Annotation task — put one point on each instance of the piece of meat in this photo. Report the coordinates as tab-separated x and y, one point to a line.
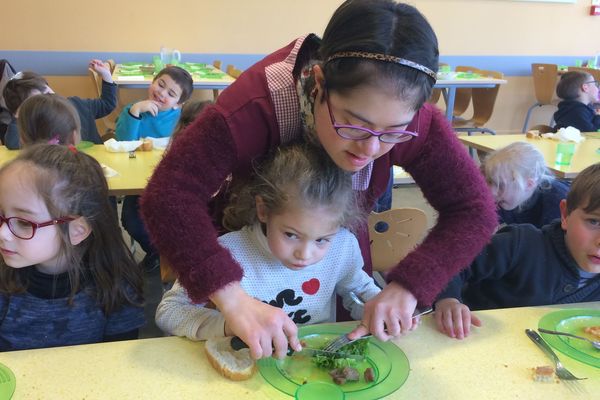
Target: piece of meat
369	375
351	374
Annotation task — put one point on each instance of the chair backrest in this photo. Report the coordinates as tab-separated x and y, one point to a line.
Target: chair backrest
217	64
544	81
111	65
233	71
484	99
435	96
463	96
405	229
592	71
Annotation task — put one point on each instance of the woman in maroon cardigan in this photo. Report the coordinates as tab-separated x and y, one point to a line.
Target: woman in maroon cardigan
359	93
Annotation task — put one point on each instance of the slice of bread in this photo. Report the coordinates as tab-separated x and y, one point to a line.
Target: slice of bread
236	365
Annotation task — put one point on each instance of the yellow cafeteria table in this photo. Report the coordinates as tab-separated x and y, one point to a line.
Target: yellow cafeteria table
585	152
493	363
132	173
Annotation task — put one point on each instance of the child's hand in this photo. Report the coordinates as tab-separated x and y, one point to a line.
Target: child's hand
454	318
144	106
101	68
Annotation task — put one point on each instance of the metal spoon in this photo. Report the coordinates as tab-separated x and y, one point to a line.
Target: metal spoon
596	344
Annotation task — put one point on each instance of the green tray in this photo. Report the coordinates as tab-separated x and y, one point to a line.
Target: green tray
8	382
572	321
389	363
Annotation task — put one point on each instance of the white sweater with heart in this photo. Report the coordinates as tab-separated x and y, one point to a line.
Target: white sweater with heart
306	295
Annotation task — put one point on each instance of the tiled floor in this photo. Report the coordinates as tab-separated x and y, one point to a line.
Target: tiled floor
403	196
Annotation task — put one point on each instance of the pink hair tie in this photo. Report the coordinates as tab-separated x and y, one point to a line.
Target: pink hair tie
54	140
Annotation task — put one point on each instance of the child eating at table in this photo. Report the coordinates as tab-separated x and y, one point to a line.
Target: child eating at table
288	236
66	274
26	84
157	115
578	91
154	117
48	118
525	190
527	266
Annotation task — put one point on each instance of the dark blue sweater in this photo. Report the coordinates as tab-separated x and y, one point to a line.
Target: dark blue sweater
523	266
578	115
88	109
540	209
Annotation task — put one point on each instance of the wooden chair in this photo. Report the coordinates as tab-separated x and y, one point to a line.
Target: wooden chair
484	100
111	64
404	230
462	99
109	122
544	83
233	71
436	93
217	65
167	275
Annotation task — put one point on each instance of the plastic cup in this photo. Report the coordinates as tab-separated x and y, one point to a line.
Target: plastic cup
319	391
564	153
578	63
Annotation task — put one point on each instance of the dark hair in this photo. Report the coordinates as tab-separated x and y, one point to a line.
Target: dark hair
585	190
190	110
19	89
72	183
569	86
298	172
181	78
383	27
46	117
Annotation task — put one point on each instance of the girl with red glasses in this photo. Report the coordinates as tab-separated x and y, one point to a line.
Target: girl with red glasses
65	268
359	93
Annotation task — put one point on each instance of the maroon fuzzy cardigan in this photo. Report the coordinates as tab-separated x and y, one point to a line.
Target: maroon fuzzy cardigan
179	213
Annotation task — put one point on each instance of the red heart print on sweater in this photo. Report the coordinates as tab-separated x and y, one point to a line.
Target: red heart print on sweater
311	286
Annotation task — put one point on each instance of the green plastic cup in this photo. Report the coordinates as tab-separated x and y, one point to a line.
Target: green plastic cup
578	63
564	153
319	391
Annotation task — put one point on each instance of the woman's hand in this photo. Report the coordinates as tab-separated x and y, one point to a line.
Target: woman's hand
267	330
454	318
389	314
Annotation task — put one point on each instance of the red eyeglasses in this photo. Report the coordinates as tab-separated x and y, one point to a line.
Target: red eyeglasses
25	229
354	132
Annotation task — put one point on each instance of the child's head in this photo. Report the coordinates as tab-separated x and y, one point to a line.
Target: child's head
378	64
577	85
171	87
56	215
48	118
22	86
514	172
190	110
580	218
301	198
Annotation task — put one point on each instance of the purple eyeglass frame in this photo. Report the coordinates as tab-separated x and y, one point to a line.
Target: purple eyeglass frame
406	135
35	225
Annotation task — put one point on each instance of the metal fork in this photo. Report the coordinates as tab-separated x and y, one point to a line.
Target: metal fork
343	340
561	372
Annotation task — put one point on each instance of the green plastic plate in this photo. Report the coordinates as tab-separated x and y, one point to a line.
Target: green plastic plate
573	321
389	363
7	382
84	144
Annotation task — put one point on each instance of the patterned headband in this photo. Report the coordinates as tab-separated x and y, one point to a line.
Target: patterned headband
383	57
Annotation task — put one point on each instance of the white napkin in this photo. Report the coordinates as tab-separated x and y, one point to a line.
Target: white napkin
108	171
160	143
121	147
568	134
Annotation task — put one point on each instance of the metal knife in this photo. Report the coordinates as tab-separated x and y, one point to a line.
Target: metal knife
238	344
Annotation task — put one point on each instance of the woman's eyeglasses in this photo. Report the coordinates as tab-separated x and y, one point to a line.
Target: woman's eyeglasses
25	229
354	132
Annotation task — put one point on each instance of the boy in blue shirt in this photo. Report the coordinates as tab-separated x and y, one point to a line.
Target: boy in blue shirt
527	266
155	117
578	91
158	115
26	84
